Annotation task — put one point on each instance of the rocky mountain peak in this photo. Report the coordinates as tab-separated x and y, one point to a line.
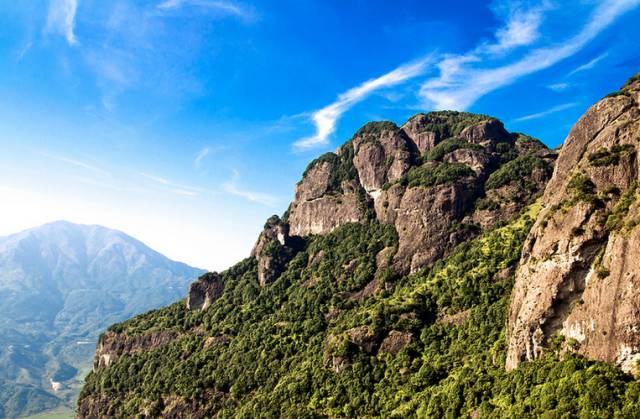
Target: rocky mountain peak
577	280
438	161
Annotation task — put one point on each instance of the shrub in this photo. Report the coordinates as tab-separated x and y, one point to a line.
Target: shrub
429	174
515	171
447	146
582	188
608	157
451	123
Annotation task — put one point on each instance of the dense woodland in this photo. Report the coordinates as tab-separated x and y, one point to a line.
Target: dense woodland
308	345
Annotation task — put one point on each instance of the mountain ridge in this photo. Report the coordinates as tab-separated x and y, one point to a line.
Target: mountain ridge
61	284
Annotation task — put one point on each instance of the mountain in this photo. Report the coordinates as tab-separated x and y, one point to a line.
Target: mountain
61	284
385	290
580	272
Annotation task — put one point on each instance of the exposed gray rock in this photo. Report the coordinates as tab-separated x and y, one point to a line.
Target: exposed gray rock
204	291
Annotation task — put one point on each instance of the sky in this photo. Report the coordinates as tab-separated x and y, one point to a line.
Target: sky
187	123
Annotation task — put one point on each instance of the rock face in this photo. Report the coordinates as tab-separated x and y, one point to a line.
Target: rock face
204	291
439	179
273	250
578	276
114	345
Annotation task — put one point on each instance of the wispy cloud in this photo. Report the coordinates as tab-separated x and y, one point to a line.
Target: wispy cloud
522	27
464	79
197	162
326	118
590	64
171	186
558	87
223	7
231	187
77	163
549	111
61	19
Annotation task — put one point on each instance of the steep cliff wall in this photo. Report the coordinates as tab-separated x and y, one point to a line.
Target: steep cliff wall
579	276
439	179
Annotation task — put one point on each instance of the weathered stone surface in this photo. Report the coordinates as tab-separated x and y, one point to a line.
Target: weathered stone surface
578	275
478	160
323	215
363	337
381	157
395	341
485	132
315	183
114	345
456	318
424	220
204	291
417	129
368	176
273	250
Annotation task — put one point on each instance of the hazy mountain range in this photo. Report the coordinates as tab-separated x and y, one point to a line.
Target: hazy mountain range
61	284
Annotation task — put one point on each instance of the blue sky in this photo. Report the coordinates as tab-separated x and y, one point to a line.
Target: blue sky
186	123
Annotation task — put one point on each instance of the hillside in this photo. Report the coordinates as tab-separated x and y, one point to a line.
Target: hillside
384	290
60	285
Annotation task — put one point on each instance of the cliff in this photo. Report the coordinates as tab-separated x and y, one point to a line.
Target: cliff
439	179
578	279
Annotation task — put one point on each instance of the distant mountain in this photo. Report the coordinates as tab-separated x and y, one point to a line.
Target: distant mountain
61	284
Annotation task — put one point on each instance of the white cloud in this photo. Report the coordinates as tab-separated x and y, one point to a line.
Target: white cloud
521	28
590	64
463	79
171	186
558	87
326	118
197	162
221	6
550	111
232	188
61	19
77	163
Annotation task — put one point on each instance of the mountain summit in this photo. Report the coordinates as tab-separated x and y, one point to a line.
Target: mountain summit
61	284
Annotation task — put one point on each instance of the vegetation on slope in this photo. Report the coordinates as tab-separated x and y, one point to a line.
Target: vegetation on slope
285	336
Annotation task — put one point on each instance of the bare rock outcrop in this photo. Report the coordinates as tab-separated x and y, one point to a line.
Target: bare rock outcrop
427	179
273	250
382	154
395	341
425	222
579	272
112	345
328	196
204	291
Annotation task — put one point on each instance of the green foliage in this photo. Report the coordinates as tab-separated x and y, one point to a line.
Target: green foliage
375	128
447	146
582	188
278	362
607	157
515	170
632	80
616	217
21	400
486	204
451	123
430	174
